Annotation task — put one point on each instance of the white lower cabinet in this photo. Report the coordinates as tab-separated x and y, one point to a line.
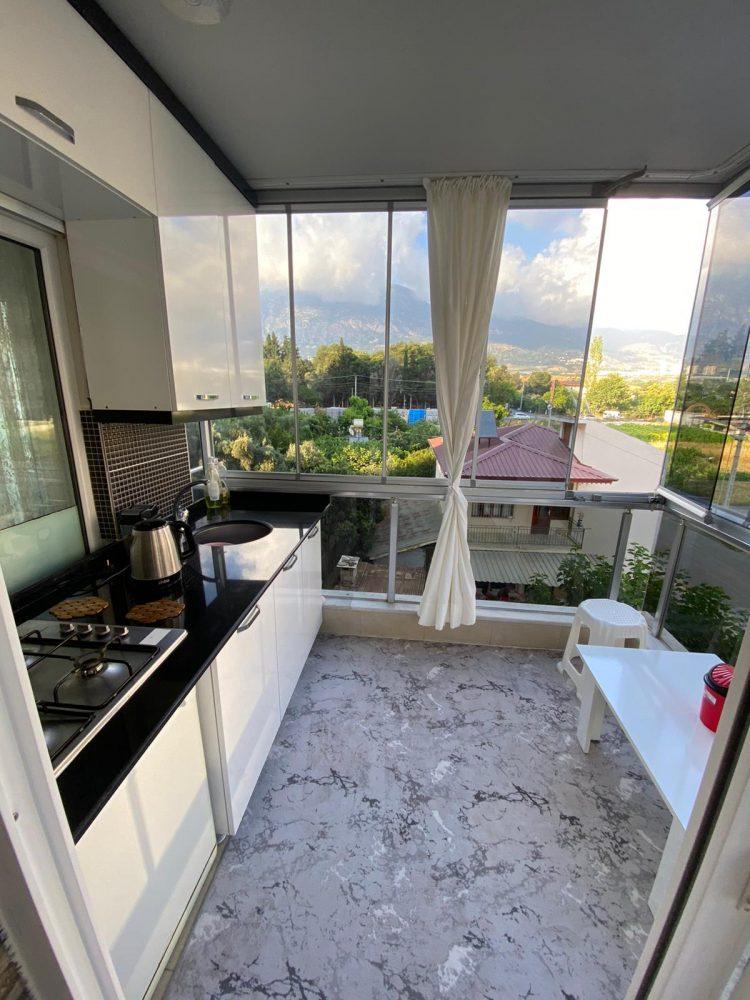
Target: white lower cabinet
312	575
144	855
299	604
239	708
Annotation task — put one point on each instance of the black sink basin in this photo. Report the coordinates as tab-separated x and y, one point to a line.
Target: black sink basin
232	533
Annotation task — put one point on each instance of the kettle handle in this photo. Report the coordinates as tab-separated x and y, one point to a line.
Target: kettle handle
178	528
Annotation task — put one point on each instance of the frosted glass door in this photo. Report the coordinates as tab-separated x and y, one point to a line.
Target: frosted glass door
40	530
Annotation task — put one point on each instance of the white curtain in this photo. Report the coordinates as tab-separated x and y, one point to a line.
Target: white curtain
466	220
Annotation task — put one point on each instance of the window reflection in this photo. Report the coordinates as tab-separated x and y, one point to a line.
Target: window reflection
708	442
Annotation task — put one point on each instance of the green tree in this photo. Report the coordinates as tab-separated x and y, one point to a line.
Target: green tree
501	386
653	398
593	362
610	392
412	374
564	401
500	410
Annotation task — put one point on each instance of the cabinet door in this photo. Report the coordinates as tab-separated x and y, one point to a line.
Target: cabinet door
54	62
312	577
290	627
248	384
195	286
247	705
145	853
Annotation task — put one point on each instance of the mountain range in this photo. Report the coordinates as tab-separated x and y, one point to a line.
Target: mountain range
519	342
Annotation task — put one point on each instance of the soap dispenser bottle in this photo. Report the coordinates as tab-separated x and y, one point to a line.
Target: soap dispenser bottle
224	493
213	485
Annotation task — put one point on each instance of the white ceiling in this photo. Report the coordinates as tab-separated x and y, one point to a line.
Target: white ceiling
336	90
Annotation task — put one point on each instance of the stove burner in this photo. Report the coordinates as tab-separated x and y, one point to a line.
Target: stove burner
90	664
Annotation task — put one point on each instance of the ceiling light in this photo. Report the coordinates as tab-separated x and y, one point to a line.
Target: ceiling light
199	11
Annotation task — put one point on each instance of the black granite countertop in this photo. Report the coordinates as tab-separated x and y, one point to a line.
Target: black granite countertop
219	585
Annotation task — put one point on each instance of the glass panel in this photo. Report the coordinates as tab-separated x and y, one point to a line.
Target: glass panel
710	600
36	482
339	300
718	343
264	442
650	265
413	417
732	494
519	552
195	449
649	544
354	545
537	341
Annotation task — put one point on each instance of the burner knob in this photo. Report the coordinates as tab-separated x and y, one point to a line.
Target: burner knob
67	628
120	631
84	628
101	630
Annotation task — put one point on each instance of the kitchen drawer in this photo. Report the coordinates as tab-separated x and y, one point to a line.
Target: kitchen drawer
145	853
50	56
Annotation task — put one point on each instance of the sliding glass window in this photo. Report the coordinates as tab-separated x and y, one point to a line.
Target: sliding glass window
708	460
413	425
40	528
339	303
649	271
537	345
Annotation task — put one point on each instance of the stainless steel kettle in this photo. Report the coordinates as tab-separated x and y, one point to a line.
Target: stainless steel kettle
155	553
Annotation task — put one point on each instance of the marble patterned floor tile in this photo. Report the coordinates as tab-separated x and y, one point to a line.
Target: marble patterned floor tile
426	827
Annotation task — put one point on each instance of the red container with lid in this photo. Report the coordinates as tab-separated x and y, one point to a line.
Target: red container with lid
716	682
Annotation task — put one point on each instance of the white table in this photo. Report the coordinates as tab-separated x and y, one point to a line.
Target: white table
655	696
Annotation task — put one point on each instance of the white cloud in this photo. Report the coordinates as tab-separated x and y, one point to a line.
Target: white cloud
339	256
649	268
554	285
652	255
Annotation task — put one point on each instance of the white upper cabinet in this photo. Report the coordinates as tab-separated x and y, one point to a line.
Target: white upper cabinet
194	265
168	306
61	84
248	378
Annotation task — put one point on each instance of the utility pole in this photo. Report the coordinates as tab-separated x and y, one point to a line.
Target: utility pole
355	385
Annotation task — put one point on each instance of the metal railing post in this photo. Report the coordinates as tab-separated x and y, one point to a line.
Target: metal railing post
392	552
387	344
670	572
293	336
621	552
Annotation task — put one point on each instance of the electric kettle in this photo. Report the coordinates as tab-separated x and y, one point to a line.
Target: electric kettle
155	553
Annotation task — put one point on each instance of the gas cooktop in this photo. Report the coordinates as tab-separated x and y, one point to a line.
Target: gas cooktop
82	672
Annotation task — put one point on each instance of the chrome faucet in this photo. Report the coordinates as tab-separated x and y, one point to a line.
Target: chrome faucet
179	513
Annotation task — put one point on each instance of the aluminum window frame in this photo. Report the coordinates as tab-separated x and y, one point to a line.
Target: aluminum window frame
289	210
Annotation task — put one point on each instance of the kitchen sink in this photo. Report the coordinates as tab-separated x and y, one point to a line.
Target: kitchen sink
232	533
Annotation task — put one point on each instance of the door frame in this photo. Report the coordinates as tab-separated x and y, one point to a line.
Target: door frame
67	354
44	907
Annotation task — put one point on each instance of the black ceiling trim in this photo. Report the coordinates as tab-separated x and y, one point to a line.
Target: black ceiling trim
104	26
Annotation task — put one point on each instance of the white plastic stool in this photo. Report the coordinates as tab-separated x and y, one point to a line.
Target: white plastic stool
609	623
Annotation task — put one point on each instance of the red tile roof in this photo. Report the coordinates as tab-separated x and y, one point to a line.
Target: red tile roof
524	451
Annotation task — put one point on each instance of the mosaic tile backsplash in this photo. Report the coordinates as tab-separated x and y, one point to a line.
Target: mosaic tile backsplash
133	463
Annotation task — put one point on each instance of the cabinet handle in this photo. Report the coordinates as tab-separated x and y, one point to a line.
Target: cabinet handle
203	396
47	117
251	618
250	395
289	563
314	532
